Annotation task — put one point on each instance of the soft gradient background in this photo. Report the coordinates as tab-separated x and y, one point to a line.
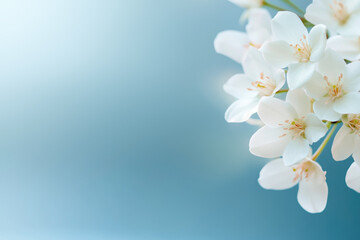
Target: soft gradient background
112	128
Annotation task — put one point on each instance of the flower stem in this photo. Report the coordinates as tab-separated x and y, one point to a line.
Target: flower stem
325	142
294	6
270	5
282	91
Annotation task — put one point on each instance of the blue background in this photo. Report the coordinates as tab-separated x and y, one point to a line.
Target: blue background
112	128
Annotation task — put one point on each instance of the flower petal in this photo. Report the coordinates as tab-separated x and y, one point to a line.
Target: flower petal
268	143
313	191
276	176
352	178
356	154
347	47
273	111
238	86
332	65
300	101
324	110
317	42
296	151
279	53
287	26
232	44
259	26
316	87
242	110
344	144
315	128
352	83
299	74
349	103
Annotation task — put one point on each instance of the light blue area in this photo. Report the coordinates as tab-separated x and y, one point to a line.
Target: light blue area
112	128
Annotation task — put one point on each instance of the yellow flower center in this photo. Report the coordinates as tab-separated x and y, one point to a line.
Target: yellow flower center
303	171
340	12
302	50
335	90
352	121
295	128
265	85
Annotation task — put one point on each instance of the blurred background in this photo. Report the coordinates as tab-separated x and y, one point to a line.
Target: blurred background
112	127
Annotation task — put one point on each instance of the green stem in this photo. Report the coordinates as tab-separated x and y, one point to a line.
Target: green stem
325	142
294	6
270	5
282	91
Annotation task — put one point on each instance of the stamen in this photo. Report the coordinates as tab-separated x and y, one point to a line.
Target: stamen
303	171
352	121
340	12
335	90
295	128
265	85
302	50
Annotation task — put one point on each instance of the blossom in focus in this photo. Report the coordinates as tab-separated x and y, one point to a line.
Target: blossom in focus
341	16
258	81
289	128
352	178
248	3
235	44
313	190
347	46
335	87
295	48
347	139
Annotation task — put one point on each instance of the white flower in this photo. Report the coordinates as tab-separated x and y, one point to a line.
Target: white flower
248	3
347	140
335	87
347	47
313	190
289	128
342	16
352	178
258	81
295	48
235	45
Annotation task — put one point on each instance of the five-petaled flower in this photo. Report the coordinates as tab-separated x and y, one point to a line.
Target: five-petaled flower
295	48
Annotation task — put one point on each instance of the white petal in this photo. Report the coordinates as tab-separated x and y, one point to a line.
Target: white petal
324	110
315	128
332	65
317	41
316	87
320	13
352	81
352	178
296	151
268	143
232	44
238	86
356	154
299	74
273	111
313	191
279	53
347	47
349	103
276	176
259	26
242	110
344	144
254	64
300	101
287	26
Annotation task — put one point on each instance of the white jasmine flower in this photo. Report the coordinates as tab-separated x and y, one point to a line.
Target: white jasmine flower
248	3
235	44
341	16
313	190
295	48
352	178
347	47
289	128
258	81
335	87
347	139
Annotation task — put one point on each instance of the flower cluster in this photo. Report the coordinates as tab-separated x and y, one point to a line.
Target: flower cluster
302	78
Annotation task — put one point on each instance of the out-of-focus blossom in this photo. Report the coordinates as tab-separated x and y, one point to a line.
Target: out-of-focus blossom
352	178
347	47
